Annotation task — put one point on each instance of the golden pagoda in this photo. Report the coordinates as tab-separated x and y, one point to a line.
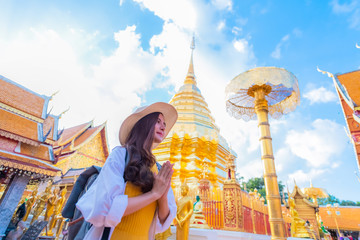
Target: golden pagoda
194	144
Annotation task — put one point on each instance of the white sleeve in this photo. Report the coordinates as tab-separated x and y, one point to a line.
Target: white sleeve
104	203
172	207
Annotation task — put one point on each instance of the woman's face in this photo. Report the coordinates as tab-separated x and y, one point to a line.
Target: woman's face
159	131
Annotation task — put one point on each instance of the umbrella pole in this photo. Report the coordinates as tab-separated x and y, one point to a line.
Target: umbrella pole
271	185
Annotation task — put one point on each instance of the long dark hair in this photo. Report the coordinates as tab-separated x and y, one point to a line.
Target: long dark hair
139	144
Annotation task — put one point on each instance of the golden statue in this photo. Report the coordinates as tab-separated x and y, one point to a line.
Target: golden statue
40	203
30	203
198	218
163	235
51	204
298	228
183	214
57	210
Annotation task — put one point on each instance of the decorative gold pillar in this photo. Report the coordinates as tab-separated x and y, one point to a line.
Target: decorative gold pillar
270	178
233	210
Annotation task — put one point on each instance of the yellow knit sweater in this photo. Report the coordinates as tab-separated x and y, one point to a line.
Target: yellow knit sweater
136	225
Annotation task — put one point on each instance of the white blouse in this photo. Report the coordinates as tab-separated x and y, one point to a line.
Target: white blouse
104	204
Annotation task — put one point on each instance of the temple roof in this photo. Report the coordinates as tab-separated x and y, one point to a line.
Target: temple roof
348	89
18	125
23	99
70	134
26	131
297	193
349	218
75	137
350	82
27	163
70	176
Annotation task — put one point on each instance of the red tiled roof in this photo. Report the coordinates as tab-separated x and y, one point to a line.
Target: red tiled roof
83	137
351	83
349	218
352	124
21	99
7	144
18	125
41	151
71	133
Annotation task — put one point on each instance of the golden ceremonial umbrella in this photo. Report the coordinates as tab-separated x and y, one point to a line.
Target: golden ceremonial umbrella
257	93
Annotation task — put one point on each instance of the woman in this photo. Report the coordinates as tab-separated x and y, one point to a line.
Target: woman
134	199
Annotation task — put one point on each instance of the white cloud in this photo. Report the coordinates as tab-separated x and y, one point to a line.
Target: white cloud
350	10
303	178
253	168
181	12
320	95
241	45
277	51
343	8
222	4
221	25
320	144
236	31
45	62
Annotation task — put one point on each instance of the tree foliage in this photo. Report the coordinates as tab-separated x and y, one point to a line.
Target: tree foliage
332	199
259	184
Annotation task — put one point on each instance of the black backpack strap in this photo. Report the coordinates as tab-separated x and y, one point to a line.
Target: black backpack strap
127	157
106	233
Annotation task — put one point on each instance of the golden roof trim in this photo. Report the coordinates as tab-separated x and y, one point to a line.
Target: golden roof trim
18	138
21	113
24	167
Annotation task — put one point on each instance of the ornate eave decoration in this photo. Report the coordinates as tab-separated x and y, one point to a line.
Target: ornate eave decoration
18	138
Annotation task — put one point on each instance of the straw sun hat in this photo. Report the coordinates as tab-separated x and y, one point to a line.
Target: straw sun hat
167	110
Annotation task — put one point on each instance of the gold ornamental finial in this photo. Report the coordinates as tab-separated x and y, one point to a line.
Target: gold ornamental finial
325	72
52	95
192	46
190	76
64	112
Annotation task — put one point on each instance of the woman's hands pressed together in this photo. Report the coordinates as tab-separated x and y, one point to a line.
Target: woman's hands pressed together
162	181
161	186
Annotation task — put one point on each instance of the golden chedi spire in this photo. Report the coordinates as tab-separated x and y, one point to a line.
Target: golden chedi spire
195	140
190	76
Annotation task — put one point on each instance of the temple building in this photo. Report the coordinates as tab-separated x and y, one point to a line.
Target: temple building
347	86
194	144
81	146
27	131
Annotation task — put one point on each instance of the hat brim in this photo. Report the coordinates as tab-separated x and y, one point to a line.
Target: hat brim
168	111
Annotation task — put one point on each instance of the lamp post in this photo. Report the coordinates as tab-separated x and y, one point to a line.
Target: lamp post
333	210
256	94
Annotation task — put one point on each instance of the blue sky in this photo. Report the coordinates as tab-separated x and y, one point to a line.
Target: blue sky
107	57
